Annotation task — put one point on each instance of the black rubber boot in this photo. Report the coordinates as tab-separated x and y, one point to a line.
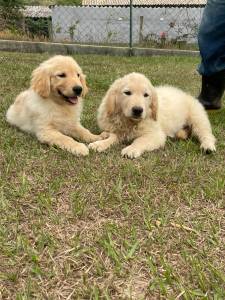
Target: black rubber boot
212	90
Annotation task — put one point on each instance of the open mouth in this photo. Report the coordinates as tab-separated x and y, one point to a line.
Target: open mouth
70	99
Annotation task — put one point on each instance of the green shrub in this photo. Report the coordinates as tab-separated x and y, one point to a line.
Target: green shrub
10	14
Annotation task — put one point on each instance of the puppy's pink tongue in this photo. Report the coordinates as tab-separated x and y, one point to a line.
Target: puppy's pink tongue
73	99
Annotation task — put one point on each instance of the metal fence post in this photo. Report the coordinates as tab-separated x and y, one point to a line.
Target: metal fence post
131	27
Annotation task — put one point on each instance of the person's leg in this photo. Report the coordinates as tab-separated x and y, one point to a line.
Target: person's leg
211	41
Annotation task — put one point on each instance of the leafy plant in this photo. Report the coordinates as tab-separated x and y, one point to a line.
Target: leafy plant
10	13
72	29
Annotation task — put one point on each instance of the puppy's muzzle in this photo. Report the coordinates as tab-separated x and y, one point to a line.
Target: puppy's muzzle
137	112
77	90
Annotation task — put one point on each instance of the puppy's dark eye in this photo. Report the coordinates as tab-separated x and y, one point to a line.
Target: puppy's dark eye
78	75
128	93
146	95
62	75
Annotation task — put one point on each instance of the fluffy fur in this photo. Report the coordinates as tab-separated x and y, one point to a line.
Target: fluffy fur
51	108
133	110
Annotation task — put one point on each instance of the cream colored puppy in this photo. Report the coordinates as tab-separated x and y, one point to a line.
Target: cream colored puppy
133	110
51	108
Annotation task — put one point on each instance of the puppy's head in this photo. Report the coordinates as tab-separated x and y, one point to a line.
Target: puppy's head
134	96
60	78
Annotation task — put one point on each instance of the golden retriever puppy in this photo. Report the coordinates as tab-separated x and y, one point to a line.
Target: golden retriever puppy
51	108
133	110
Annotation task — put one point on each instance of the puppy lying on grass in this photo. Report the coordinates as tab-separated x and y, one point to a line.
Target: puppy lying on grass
51	108
133	110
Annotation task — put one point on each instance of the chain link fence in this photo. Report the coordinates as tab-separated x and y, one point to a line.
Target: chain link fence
137	23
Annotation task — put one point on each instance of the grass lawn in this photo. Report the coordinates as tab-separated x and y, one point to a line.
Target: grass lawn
105	227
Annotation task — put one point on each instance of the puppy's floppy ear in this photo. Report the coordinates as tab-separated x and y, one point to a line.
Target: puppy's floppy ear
111	104
153	104
40	81
110	99
84	84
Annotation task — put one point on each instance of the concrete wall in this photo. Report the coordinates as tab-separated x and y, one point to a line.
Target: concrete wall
59	48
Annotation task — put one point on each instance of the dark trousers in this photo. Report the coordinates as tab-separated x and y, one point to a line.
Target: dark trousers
211	38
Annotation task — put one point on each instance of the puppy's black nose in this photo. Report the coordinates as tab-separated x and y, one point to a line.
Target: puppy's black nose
137	111
77	90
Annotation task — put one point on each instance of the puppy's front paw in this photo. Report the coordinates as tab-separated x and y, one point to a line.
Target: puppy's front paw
98	146
131	152
208	146
80	149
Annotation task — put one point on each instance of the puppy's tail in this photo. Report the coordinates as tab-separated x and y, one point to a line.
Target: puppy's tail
201	127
